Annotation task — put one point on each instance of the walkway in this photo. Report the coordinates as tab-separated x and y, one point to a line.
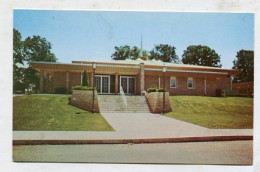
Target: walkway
134	126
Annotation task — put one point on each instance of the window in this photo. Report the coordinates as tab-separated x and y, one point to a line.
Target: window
173	83
190	82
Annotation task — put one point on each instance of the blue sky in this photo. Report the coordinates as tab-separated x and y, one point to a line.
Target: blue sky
92	35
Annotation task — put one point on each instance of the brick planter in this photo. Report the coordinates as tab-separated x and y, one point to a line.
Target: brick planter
155	101
83	99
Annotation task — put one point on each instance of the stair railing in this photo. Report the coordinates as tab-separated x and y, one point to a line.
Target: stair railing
122	93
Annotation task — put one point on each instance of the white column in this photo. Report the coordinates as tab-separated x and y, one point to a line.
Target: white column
205	86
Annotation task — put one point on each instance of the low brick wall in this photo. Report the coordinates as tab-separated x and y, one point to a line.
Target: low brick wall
83	99
155	101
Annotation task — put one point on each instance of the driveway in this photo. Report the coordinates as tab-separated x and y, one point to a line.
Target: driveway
148	125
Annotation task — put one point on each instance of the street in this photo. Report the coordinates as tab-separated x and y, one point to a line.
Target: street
228	152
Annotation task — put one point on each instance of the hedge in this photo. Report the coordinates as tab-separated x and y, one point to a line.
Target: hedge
149	90
80	87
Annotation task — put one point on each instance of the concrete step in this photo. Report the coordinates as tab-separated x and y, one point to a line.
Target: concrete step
115	103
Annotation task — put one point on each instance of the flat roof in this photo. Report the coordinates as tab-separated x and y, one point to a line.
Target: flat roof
148	64
155	63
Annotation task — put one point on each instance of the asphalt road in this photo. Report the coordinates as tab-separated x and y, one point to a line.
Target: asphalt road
229	152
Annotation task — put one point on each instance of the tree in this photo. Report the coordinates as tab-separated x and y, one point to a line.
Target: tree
31	49
244	63
36	48
164	52
201	55
135	53
18	55
85	79
121	53
18	58
126	52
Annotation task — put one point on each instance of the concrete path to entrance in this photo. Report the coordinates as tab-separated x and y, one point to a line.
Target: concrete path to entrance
134	126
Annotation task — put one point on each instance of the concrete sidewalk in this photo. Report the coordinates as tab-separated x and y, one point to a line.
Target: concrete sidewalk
135	126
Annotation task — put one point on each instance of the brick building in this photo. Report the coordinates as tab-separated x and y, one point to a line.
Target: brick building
135	76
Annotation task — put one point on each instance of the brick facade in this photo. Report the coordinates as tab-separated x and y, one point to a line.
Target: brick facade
59	80
146	76
244	87
74	79
155	101
224	83
83	99
181	89
151	81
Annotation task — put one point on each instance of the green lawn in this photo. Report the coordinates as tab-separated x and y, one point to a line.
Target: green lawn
52	112
213	112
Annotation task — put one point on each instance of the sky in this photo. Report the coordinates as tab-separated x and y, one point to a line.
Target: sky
92	35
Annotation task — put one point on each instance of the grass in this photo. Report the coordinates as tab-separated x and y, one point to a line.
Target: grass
213	112
53	113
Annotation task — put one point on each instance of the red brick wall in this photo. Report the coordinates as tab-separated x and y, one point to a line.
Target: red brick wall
74	79
211	86
152	81
243	87
83	99
155	101
59	80
223	83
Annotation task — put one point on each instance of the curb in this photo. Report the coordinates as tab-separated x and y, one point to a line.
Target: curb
134	141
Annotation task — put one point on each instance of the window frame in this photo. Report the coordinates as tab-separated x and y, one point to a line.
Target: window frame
192	79
173	77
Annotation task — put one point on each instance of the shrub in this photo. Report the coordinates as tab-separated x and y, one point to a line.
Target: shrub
85	79
220	93
80	87
149	90
69	99
60	90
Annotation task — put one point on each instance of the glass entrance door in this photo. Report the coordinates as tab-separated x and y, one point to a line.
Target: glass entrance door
128	84
105	84
102	83
124	84
131	87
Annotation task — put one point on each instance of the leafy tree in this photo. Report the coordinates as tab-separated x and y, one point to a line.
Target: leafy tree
126	52
121	53
245	63
18	58
85	79
145	54
135	53
164	52
201	55
36	48
18	55
31	49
